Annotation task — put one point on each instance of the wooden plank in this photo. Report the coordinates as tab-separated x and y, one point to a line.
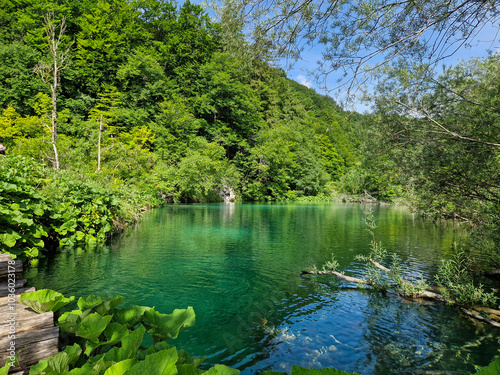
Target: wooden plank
5	257
26	320
5	299
26	339
35	352
4	287
4	279
6	268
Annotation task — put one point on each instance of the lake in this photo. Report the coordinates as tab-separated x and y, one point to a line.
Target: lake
239	266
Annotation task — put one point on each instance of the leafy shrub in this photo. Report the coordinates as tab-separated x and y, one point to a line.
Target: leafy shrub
82	212
36	211
458	283
23	210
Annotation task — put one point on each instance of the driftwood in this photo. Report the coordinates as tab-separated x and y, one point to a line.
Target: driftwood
494	318
479	317
30	335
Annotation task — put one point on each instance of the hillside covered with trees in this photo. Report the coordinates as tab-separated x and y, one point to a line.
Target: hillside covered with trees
109	109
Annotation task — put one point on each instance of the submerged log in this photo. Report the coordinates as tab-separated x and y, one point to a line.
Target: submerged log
479	317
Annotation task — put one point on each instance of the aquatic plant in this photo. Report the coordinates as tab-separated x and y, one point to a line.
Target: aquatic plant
103	339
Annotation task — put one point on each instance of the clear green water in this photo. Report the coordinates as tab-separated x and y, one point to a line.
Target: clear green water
239	267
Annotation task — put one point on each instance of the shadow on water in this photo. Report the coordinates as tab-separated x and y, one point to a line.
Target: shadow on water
239	266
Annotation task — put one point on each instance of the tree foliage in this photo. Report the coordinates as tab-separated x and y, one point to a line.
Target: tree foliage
358	37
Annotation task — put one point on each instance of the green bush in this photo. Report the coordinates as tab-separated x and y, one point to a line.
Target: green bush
24	212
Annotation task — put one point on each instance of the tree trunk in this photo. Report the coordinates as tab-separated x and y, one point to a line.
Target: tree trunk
99	145
54	109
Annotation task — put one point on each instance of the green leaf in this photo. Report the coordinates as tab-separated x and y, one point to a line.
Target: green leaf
121	367
161	363
222	370
158	347
187	369
100	304
114	333
8	239
79	235
492	369
44	300
90	302
59	362
167	326
130	316
38	211
70	321
92	326
129	348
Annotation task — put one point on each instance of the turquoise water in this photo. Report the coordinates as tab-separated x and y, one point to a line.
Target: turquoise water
239	266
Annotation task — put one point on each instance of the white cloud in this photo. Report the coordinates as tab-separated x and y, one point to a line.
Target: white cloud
304	81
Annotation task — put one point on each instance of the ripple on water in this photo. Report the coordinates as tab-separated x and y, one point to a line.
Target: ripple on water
239	267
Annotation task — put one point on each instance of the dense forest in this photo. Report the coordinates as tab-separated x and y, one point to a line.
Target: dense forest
112	108
109	110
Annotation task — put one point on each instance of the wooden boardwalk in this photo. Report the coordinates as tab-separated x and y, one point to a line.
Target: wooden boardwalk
30	335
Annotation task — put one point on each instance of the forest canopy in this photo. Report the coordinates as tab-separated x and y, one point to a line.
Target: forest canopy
147	102
148	94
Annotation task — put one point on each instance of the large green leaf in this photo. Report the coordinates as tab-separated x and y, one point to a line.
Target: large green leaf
99	304
58	363
90	301
129	346
44	300
70	321
161	363
158	347
8	239
221	370
92	326
130	316
492	369
114	333
121	367
167	326
98	367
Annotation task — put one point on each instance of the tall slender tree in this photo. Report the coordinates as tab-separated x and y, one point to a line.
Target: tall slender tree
50	71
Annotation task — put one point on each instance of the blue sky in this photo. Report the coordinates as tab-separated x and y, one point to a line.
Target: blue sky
486	39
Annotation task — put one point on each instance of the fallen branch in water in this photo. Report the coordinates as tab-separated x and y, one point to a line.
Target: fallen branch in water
479	317
339	275
495	314
420	294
